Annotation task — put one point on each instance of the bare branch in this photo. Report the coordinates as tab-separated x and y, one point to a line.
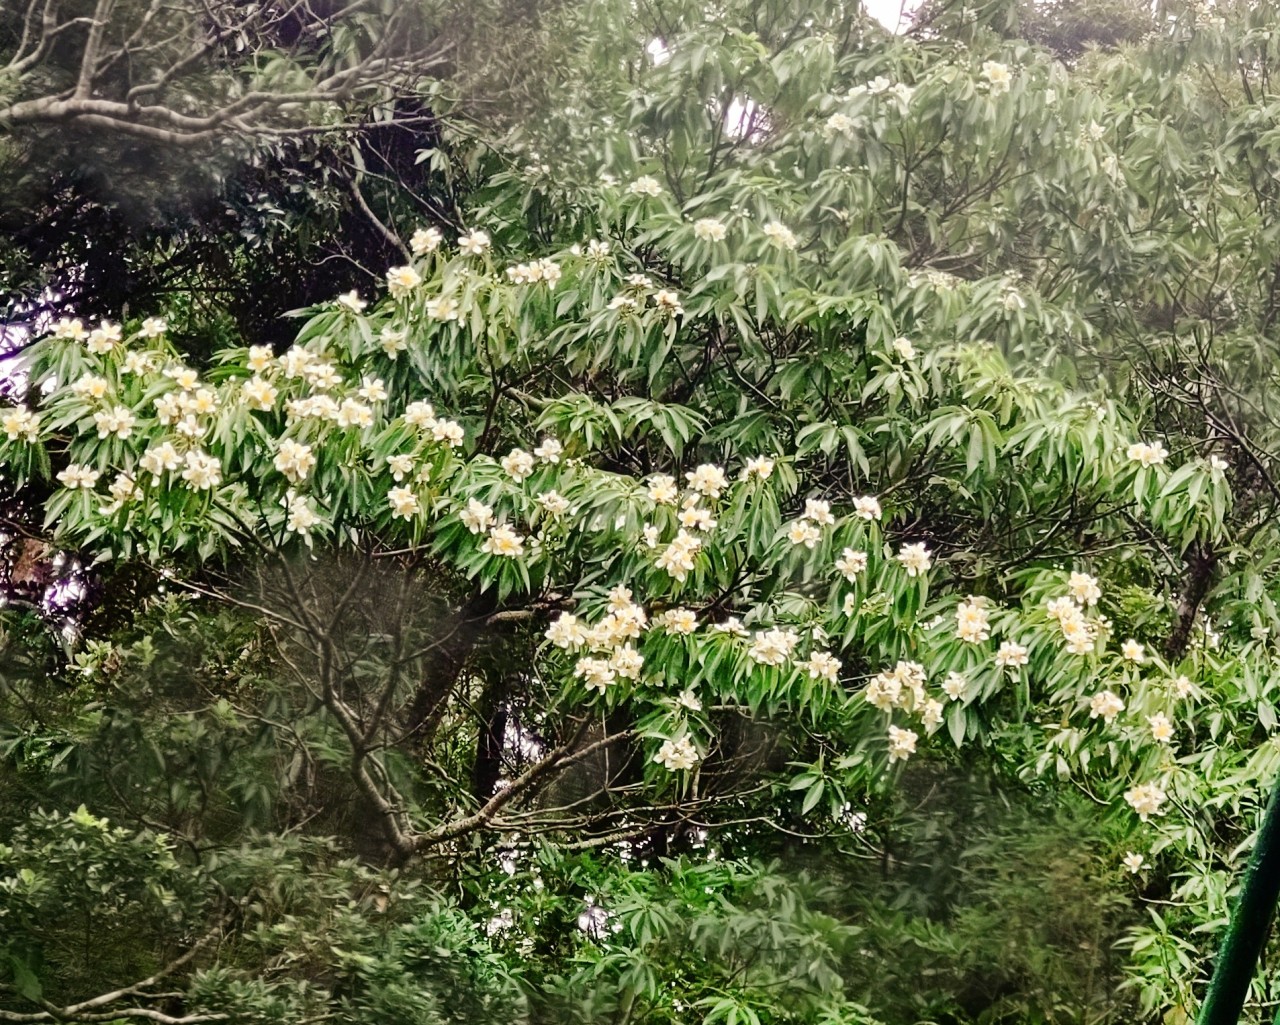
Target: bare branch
88	1010
152	46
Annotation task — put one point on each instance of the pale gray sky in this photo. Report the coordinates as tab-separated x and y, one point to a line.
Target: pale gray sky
888	12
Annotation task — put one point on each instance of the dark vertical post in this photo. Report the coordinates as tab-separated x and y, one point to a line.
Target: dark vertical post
1250	923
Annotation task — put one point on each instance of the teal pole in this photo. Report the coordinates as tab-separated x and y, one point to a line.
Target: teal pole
1250	923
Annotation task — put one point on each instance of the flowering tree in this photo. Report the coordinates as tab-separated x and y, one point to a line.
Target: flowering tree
712	494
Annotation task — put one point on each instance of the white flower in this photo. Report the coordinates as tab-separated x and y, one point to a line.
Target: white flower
596	673
159	459
372	389
524	273
1106	705
152	328
503	541
294	460
708	229
677	755
954	686
473	243
393	341
401	281
259	358
1147	455
732	626
549	451
627	662
693	517
1133	862
20	423
1218	463
884	691
190	427
1132	651
296	362
680	620
322	375
851	563
447	431
517	464
1181	686
780	235
78	475
352	301
802	532
902	744
123	489
551	272
420	414
200	402
645	185
758	466
404	503
668	302
915	559
90	386
553	503
1081	635
300	517
202	471
1013	302
71	329
1084	588
840	124
443	308
677	558
821	665
354	414
904	348
425	240
1146	799
708	480
259	393
136	362
867	507
567	632
973	624
773	647
997	76
1011	654
118	421
688	699
104	338
931	713
476	517
650	536
662	489
819	511
1161	728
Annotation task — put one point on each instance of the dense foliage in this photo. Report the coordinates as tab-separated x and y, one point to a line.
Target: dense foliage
797	547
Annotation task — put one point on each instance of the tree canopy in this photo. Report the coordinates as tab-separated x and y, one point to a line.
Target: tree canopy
806	499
